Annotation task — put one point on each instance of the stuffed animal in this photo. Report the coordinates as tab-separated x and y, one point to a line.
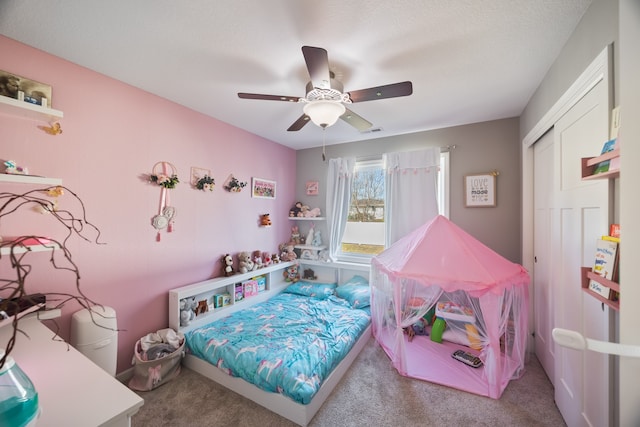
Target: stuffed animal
265	220
245	263
295	235
257	260
303	211
287	253
312	213
187	313
291	274
295	210
227	261
275	258
309	274
317	238
309	239
266	259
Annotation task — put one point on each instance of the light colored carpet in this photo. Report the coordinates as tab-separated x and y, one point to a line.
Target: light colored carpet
371	394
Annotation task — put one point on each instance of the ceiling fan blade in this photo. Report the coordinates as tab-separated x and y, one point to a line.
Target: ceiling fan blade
318	65
381	92
299	124
356	121
268	97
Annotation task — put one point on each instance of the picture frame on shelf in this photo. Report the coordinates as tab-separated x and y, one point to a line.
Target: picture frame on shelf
480	190
312	188
263	188
21	88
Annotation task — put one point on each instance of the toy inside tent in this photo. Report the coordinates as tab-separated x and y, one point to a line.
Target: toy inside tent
454	293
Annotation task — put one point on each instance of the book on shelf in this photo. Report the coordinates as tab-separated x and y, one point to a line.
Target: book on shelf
614	230
610	145
602	167
605	265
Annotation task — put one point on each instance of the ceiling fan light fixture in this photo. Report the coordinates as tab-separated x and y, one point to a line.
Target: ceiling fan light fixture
324	113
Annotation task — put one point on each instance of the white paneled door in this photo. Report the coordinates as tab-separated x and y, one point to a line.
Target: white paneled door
581	215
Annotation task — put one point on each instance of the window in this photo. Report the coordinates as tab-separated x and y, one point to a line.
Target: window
364	233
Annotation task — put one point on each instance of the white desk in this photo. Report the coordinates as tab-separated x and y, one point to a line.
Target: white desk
72	390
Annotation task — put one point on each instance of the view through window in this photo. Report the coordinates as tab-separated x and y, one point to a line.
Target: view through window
364	232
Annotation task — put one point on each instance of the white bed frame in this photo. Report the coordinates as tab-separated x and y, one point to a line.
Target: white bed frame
275	402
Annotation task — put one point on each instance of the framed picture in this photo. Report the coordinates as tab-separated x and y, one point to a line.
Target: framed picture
480	190
33	92
263	188
312	188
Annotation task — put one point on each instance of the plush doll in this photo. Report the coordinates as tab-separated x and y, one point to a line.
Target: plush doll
266	259
187	313
227	261
317	238
295	235
303	211
275	258
245	263
295	210
291	274
312	213
257	260
287	253
265	220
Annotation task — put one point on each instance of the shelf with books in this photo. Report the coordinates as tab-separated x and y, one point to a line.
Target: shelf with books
590	166
587	277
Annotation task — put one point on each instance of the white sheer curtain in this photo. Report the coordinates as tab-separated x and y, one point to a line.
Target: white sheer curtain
339	177
410	191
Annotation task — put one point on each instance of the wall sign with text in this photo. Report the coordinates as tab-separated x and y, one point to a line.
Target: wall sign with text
480	190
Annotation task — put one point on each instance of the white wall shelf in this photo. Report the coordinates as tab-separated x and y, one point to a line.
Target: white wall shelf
307	218
28	110
29	179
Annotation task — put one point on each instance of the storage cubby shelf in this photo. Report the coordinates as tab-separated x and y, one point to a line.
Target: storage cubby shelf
28	110
275	283
587	275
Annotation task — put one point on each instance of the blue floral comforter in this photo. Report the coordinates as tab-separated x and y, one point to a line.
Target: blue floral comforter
288	344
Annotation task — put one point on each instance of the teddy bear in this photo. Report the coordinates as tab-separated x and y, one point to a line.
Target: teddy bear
227	262
275	258
245	263
287	253
312	213
257	260
303	211
187	313
266	259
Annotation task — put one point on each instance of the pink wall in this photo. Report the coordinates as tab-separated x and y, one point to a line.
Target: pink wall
113	134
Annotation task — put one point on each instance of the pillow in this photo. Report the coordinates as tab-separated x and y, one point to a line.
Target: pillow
358	295
357	280
313	290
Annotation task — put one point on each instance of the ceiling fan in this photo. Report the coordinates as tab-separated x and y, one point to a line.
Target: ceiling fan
325	100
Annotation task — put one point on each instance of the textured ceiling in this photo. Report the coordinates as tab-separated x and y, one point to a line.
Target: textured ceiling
469	60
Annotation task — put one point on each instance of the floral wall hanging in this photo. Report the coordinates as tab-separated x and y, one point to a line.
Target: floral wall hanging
201	179
165	175
233	185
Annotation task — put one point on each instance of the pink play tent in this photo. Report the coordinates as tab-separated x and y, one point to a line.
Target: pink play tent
453	293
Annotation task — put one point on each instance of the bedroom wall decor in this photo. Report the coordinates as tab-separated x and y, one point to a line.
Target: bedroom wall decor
201	179
480	190
312	188
166	176
263	188
234	185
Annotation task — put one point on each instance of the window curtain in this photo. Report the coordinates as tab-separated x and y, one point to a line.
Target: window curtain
410	191
339	177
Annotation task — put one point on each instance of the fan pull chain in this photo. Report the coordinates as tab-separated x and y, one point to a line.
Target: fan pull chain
324	158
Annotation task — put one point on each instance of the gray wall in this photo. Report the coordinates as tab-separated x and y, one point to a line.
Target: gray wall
480	148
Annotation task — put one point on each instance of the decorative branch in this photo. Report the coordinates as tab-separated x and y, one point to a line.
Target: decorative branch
14	288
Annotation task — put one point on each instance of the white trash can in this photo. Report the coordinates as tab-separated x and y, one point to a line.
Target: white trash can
98	341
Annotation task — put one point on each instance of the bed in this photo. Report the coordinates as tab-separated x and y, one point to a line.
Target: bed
289	347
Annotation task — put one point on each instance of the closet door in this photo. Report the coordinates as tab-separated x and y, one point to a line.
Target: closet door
543	292
581	216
